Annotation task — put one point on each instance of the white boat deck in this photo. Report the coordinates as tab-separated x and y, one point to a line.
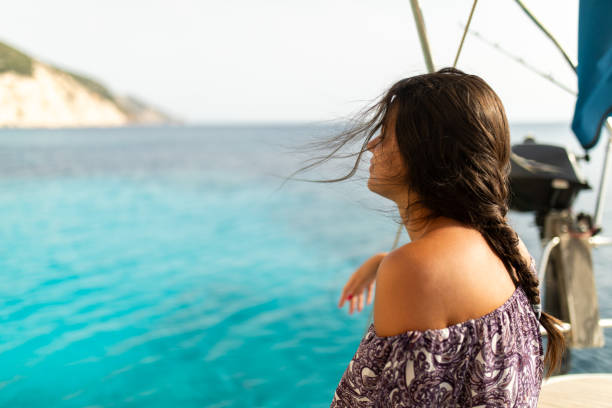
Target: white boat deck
577	390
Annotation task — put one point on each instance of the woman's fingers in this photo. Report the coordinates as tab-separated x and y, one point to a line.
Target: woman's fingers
356	301
346	292
343	295
370	292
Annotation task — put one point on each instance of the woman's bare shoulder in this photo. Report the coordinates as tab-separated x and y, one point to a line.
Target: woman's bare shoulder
433	284
405	288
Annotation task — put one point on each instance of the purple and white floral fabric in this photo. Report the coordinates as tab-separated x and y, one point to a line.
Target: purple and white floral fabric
493	361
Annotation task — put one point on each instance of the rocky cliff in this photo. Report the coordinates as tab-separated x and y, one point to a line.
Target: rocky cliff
35	94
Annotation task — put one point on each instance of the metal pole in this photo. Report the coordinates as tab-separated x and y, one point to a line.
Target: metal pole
420	23
604	177
567	327
467	26
554	241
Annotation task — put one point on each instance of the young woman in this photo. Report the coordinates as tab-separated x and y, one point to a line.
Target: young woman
457	310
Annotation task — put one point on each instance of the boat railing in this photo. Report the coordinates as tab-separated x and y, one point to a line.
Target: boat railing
594	242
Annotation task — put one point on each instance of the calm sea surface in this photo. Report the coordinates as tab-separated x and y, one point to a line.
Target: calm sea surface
164	267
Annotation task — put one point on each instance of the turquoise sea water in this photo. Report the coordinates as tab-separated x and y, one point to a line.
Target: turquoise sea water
163	267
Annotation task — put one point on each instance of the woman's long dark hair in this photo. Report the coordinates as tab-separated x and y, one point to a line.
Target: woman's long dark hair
454	139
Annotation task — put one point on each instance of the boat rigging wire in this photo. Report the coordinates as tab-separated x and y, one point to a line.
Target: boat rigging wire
521	61
548	34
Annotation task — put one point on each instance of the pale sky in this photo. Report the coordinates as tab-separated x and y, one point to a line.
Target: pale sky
288	60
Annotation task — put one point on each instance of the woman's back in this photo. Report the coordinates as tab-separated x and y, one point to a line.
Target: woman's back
493	361
451	330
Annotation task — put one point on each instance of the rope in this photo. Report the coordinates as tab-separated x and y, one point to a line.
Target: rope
465	33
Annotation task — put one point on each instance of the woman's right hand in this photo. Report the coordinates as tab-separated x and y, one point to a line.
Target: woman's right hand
363	278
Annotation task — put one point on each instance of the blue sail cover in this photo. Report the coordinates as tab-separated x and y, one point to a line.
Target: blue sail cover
594	103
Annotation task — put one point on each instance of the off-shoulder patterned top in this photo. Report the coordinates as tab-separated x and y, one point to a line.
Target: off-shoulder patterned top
495	360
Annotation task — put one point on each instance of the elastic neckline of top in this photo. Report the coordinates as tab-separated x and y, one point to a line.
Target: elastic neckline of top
455	326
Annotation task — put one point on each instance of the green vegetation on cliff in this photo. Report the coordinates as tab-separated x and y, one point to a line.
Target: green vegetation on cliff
13	60
16	61
90	84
